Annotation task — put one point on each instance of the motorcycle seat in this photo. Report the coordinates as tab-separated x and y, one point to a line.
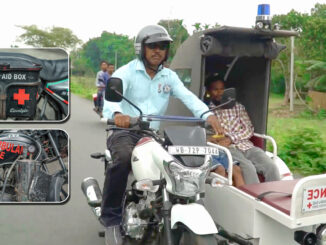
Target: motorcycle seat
277	194
54	70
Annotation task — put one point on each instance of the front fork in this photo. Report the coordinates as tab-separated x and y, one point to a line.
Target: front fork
166	213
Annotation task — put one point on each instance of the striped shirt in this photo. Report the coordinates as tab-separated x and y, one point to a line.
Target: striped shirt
236	124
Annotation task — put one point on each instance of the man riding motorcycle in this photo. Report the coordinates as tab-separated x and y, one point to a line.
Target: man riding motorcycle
147	84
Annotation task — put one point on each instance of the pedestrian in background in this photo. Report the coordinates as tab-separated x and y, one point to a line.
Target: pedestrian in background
101	80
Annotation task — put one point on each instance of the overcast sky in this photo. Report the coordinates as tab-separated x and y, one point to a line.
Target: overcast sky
87	19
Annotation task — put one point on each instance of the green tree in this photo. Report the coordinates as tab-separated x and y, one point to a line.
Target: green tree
108	47
317	74
197	26
312	28
201	27
50	37
319	10
177	31
310	45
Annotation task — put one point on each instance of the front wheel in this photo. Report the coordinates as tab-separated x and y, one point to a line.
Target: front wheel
190	238
187	237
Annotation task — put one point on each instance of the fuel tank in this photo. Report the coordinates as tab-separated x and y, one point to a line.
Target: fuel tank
147	159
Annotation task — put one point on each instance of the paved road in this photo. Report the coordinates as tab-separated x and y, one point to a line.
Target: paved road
73	222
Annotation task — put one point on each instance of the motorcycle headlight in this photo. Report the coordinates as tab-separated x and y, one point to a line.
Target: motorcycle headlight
187	181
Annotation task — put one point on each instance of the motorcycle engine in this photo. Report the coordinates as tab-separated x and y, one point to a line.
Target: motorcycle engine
134	224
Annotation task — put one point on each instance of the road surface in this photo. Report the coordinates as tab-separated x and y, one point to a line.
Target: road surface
72	222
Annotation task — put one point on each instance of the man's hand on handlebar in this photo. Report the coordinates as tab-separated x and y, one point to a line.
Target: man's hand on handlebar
214	122
122	121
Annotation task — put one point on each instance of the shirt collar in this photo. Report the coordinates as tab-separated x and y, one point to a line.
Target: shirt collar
141	67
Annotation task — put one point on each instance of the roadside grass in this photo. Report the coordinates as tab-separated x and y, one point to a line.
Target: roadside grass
283	125
83	86
281	120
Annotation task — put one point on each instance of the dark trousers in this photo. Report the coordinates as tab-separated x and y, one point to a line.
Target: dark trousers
120	143
100	99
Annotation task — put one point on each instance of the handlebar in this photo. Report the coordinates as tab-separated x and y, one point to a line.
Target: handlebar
110	122
134	121
137	121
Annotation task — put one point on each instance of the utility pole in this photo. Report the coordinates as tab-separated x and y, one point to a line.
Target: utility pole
115	59
291	73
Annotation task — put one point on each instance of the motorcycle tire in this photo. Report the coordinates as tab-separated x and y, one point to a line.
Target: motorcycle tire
190	238
176	235
58	190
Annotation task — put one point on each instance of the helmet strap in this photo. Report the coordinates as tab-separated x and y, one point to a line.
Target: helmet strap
143	58
148	66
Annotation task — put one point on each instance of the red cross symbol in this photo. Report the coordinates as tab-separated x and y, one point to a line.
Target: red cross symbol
309	205
21	96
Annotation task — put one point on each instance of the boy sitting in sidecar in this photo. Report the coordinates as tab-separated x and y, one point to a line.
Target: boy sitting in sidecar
238	130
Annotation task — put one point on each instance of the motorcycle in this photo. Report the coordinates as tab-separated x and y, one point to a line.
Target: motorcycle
96	108
32	167
33	88
164	203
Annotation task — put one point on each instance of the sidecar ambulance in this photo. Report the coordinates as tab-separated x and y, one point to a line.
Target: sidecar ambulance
290	211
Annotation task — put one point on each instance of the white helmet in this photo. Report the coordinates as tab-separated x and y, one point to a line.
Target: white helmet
150	34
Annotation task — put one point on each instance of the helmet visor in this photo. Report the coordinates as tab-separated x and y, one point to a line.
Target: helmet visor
159	37
160	45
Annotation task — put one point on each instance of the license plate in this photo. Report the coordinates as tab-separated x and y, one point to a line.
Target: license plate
192	150
314	198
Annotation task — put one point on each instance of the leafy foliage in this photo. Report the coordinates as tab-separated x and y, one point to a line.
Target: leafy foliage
321	114
201	27
318	71
304	151
309	46
277	82
106	47
50	37
178	33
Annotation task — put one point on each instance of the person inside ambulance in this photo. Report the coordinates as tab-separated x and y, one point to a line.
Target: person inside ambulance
148	84
238	130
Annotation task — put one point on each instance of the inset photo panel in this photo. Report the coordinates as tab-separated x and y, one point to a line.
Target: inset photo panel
34	85
34	166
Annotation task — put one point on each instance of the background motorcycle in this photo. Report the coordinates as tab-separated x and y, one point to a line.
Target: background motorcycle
32	168
163	205
96	108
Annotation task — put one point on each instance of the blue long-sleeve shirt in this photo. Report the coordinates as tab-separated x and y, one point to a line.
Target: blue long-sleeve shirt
102	78
151	95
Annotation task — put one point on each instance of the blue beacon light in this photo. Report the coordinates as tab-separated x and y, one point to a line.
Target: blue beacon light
263	18
263	9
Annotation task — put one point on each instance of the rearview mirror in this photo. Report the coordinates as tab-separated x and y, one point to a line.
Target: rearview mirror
229	97
227	102
114	90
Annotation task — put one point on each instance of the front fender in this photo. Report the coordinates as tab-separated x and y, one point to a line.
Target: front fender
195	217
